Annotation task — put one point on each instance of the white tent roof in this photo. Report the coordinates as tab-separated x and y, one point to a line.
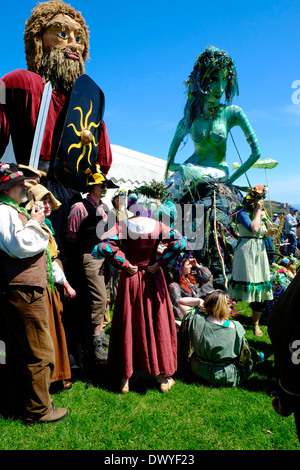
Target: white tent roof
131	169
134	168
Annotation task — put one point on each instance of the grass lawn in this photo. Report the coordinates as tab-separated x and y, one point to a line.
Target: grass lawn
192	416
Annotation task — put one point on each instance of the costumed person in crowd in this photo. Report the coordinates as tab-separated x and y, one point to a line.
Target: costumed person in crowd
143	333
284	332
118	213
280	278
57	286
23	280
290	227
289	267
250	278
86	222
56	47
220	353
189	288
163	210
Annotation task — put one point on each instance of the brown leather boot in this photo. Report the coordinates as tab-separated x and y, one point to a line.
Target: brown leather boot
53	415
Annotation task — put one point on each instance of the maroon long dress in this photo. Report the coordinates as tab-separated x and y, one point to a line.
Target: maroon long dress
143	333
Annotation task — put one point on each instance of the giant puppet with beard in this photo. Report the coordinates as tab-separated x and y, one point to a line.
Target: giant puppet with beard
56	47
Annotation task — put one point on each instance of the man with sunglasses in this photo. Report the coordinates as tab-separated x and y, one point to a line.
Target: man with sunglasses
86	223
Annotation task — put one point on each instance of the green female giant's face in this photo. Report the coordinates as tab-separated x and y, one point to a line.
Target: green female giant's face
217	88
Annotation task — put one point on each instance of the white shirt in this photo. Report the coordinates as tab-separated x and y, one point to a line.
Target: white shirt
20	241
290	220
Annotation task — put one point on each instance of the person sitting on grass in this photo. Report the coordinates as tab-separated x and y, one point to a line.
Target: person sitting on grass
191	283
220	353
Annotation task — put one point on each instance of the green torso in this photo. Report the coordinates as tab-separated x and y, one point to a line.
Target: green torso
210	137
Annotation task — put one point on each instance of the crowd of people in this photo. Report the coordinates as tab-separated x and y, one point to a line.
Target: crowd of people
151	318
68	263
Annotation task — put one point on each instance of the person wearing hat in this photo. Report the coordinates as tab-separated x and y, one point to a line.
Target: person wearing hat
290	227
115	215
23	280
56	287
119	211
250	278
86	223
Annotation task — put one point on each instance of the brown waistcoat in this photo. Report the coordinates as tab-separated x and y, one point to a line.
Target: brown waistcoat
30	271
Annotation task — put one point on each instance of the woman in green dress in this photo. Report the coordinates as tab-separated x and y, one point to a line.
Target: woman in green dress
250	278
209	123
220	355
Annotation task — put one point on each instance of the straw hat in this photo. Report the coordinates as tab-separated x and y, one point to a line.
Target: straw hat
37	193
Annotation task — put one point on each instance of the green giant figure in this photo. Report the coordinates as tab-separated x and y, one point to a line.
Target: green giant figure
208	122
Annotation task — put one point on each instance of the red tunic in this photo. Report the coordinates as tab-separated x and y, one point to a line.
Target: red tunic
143	333
19	114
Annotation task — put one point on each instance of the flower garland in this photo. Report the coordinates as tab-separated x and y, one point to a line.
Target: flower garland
213	113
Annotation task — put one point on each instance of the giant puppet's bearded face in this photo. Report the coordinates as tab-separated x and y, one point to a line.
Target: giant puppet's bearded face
63	46
56	43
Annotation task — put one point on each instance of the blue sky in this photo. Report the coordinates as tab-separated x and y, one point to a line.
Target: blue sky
142	51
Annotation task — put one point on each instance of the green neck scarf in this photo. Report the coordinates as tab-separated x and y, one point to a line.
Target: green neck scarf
48	224
11	202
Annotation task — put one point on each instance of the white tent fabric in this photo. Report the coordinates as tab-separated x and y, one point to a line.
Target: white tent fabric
132	169
129	168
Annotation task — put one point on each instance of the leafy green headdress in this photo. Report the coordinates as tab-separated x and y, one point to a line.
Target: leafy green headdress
154	190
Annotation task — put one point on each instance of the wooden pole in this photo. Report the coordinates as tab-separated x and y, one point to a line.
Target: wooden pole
217	243
271	212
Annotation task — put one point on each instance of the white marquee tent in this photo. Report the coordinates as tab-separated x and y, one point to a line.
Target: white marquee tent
129	168
132	169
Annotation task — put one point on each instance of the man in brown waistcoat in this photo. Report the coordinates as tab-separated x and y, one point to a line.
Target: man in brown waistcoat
23	279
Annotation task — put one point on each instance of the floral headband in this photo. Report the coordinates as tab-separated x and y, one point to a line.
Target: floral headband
6	172
258	192
120	193
10	175
253	195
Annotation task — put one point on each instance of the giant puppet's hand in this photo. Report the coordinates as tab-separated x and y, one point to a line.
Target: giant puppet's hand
241	120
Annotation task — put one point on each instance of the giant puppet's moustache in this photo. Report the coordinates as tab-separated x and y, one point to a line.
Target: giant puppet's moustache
61	67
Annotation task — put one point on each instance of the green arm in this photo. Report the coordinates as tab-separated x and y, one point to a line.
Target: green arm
240	119
177	139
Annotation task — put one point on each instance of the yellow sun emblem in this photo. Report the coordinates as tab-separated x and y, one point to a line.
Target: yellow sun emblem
86	137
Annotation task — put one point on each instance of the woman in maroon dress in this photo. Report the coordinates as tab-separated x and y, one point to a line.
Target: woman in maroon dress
143	333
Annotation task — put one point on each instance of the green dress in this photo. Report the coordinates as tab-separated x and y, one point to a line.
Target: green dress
250	277
216	350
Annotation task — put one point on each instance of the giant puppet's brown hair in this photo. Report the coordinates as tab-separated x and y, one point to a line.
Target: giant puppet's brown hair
35	26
